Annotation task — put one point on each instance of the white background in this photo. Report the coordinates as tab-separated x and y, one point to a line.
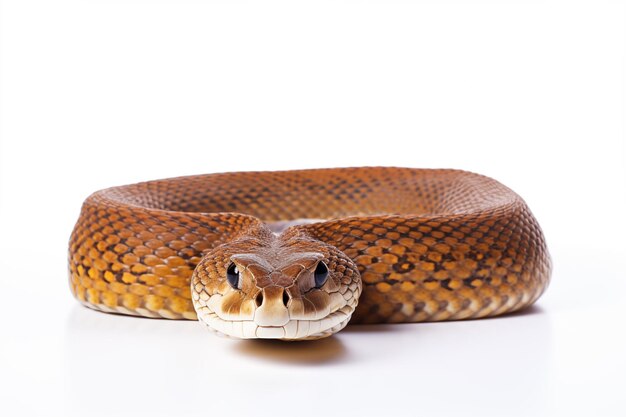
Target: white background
100	93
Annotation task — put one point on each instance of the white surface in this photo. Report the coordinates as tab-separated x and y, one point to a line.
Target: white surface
99	93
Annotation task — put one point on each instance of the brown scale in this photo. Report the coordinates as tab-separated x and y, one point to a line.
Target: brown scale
428	244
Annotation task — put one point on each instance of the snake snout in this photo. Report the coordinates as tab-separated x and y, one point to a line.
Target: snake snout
272	310
259	298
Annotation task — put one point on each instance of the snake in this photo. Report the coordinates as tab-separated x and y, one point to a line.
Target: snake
296	255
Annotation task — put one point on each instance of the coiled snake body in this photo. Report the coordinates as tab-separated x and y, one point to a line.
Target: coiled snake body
296	254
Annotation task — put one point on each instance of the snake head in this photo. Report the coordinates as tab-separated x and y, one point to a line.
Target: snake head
289	287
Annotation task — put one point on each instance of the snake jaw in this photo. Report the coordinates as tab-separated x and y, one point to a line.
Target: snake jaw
280	322
291	331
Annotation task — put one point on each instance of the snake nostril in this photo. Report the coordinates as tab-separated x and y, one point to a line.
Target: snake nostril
286	298
259	299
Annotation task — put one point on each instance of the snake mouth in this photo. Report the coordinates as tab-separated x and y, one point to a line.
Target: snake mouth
292	330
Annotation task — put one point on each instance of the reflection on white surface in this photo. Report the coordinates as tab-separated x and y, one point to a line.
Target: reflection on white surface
127	364
312	352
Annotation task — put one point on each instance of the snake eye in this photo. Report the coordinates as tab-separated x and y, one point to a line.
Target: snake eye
320	274
233	276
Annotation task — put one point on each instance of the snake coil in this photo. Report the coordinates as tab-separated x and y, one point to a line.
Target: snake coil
297	254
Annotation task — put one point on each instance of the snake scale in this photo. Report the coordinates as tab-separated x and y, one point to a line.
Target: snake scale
295	255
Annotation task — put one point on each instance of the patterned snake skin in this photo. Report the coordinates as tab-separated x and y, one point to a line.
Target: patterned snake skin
296	254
